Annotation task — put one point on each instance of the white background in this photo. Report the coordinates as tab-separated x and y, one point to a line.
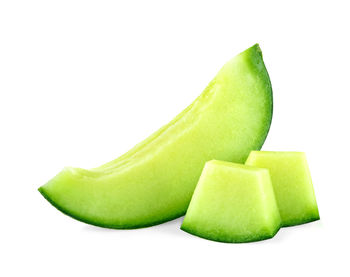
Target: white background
82	81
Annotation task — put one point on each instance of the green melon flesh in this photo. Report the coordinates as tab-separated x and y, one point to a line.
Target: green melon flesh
233	203
292	184
154	181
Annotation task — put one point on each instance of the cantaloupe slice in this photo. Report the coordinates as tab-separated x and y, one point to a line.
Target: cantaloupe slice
292	184
233	203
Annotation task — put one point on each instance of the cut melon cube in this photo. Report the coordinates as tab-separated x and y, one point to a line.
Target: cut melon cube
233	203
292	184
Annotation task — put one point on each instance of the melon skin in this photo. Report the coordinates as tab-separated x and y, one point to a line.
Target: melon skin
233	203
292	184
154	181
224	238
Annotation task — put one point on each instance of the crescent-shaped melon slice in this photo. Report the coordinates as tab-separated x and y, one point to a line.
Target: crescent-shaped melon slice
154	181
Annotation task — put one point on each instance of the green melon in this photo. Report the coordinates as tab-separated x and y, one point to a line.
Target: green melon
154	181
233	203
292	184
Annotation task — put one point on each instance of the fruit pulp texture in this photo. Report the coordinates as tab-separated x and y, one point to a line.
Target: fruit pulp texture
154	181
292	184
233	203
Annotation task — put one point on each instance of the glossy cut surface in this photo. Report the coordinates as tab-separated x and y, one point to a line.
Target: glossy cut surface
292	184
154	181
233	203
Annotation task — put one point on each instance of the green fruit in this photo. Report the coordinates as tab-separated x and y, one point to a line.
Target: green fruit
292	184
154	181
233	203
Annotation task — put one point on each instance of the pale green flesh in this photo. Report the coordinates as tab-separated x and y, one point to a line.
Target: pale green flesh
154	181
233	203
292	184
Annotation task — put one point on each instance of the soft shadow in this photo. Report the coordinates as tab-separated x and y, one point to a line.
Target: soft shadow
93	228
171	227
286	233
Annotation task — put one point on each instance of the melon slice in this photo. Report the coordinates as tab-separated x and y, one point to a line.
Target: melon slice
292	184
233	203
154	181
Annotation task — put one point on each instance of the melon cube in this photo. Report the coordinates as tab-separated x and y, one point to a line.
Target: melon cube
233	203
292	184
